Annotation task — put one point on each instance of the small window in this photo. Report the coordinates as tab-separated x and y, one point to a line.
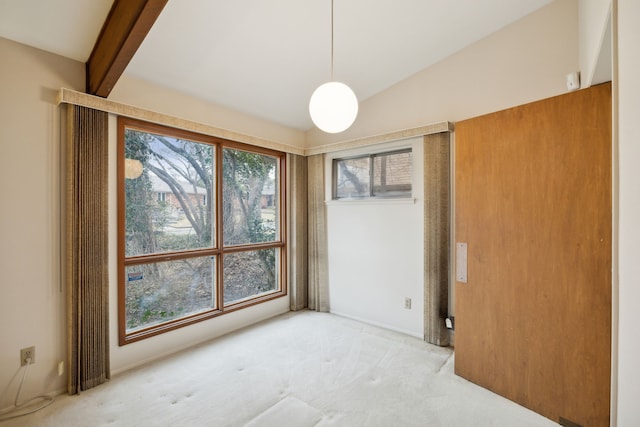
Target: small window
381	175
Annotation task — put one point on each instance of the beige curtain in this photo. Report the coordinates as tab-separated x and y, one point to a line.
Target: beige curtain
436	238
297	231
86	248
317	235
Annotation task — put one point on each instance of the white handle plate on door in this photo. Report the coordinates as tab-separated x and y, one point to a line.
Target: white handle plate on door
461	262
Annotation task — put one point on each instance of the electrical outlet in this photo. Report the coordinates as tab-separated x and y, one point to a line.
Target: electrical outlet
27	353
450	322
407	303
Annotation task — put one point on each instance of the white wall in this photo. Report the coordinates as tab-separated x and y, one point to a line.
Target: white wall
140	93
593	16
31	301
376	255
629	213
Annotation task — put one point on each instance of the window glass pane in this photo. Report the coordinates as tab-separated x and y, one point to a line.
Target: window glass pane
160	292
392	174
248	274
166	206
352	177
250	199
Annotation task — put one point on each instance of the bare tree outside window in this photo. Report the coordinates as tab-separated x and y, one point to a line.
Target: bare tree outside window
173	255
250	213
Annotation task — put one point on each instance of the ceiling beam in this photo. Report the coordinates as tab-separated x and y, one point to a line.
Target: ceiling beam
123	31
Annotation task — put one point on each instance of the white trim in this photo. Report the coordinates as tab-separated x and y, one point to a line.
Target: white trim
615	217
380	325
372	201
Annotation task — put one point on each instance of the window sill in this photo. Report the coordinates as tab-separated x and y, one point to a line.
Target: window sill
372	201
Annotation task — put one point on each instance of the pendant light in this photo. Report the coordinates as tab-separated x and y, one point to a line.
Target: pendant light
333	106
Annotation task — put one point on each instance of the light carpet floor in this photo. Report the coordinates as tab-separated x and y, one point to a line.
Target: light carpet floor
298	369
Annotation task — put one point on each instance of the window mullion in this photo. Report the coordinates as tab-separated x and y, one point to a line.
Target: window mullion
219	238
371	176
170	256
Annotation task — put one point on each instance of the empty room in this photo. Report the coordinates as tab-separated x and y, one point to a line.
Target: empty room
329	212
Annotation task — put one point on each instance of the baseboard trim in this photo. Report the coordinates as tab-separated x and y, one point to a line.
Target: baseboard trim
379	324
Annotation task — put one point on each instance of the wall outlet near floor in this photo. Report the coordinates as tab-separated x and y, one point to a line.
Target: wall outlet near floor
60	368
407	303
28	353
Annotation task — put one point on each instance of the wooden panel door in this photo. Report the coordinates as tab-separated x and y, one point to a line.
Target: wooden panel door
533	203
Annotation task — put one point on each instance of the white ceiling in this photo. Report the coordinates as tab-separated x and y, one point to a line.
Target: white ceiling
66	27
265	58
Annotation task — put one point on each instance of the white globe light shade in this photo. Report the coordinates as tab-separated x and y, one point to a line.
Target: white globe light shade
333	107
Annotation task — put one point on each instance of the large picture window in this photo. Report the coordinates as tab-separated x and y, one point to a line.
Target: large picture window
200	227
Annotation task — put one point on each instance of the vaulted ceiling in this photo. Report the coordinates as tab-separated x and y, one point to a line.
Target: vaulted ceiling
265	57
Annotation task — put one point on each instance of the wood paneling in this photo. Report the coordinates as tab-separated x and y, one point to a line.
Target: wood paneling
533	202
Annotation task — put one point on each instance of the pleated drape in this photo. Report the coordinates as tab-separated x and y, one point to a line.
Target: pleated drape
317	235
87	248
436	238
297	231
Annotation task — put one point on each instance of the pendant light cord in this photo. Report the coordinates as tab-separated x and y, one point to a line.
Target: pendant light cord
331	40
333	106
